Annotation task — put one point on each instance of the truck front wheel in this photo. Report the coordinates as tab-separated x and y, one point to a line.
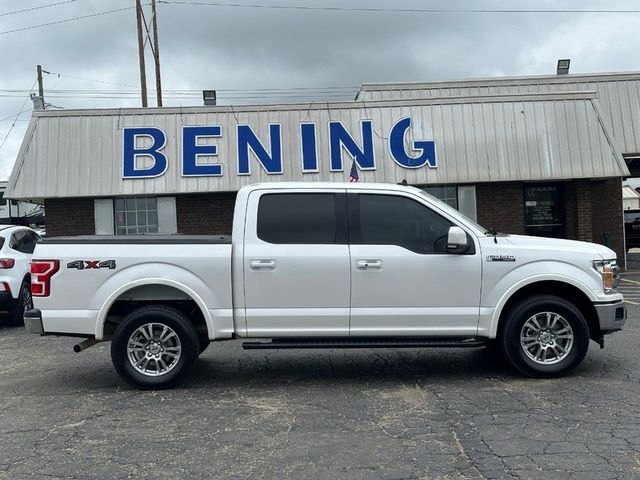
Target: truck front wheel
544	336
155	347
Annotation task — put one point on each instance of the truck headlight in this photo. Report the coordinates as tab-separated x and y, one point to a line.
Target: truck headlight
610	274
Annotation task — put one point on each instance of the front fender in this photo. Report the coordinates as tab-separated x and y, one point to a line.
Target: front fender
495	297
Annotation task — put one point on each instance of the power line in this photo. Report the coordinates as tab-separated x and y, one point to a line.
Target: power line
16	119
198	97
65	20
36	8
384	10
185	95
88	79
199	91
274	91
21	93
16	115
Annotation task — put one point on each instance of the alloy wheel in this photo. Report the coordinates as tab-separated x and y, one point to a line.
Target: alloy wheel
154	349
546	338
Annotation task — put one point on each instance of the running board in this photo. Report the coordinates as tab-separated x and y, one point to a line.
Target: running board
366	343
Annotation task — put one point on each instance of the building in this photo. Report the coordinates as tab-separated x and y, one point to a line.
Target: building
15	212
630	198
536	155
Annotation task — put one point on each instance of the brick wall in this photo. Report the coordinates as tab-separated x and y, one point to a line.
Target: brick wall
69	216
578	210
593	209
606	209
205	214
501	206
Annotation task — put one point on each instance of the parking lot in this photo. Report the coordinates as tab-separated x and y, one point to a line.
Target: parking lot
370	414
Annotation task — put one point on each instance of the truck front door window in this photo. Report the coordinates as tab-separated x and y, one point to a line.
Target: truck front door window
396	220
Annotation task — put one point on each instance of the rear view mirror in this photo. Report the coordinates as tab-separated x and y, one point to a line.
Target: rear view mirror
457	240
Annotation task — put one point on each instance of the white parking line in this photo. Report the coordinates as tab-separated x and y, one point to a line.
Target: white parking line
630	289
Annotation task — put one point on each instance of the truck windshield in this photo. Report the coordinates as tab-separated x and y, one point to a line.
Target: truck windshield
453	212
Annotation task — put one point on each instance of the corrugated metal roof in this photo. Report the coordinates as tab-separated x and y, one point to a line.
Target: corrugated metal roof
478	139
629	192
618	93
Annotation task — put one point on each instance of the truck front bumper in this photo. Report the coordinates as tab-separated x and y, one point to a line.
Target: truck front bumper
33	321
611	316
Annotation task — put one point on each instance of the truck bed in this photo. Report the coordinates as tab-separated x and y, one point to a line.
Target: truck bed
141	239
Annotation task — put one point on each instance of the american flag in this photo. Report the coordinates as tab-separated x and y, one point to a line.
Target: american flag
353	175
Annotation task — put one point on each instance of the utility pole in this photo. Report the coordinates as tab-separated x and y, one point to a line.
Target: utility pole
143	74
40	86
156	51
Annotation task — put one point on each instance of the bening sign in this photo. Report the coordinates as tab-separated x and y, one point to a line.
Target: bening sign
412	154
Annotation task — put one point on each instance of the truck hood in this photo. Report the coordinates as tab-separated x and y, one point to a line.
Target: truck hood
558	245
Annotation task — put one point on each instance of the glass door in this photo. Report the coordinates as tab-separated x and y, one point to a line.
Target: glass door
544	213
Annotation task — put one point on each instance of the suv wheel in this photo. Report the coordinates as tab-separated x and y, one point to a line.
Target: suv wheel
545	336
155	347
23	303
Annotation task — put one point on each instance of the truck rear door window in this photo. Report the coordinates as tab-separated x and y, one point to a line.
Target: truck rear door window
302	218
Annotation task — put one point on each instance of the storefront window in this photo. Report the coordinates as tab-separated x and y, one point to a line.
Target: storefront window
136	215
544	214
446	193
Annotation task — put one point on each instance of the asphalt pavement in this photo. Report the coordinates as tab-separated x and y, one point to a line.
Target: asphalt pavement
338	414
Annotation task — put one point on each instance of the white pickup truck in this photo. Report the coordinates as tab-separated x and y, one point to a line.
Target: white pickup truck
327	266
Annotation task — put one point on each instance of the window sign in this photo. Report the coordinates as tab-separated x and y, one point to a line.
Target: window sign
544	210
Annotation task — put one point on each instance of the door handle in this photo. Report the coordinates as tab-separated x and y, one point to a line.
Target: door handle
369	264
262	264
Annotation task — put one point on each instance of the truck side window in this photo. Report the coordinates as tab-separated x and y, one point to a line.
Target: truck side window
302	218
396	220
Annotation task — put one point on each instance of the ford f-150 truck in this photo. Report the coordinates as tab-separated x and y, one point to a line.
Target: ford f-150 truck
327	266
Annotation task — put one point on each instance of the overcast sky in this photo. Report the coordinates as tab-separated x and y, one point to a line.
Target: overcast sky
299	52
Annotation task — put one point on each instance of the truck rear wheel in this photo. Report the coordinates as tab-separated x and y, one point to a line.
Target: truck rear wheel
544	336
155	347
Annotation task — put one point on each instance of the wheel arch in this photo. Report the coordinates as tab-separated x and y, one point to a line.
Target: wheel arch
128	287
568	289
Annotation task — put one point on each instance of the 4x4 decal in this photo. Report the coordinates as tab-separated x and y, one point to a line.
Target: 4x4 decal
92	264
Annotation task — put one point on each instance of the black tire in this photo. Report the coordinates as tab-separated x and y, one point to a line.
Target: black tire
161	316
516	353
204	343
24	302
493	348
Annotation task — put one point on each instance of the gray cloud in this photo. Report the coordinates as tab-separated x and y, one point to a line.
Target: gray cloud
246	49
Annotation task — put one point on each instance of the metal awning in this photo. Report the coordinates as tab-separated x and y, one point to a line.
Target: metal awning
478	138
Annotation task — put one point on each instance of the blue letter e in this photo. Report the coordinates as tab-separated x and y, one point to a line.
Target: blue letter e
191	151
131	152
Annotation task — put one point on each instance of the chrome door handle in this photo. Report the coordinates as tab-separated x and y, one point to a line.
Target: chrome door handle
369	264
262	264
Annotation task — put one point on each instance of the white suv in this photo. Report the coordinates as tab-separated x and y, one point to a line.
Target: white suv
16	247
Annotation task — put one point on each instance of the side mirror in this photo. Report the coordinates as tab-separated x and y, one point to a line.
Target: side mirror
457	240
